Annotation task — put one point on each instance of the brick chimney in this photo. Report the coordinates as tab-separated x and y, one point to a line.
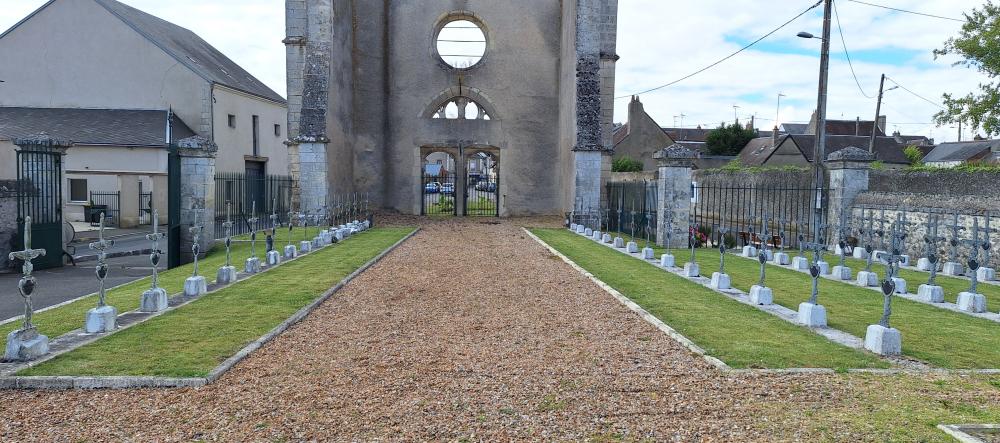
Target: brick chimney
775	136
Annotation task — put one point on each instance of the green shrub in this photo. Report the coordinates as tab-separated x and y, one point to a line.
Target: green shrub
626	164
914	155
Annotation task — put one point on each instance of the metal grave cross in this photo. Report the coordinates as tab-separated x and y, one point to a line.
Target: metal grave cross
692	233
781	235
632	221
880	232
867	232
987	243
26	286
762	253
722	248
843	232
197	227
253	229
304	222
101	246
228	226
291	226
956	238
897	240
931	239
154	256
275	223
817	248
974	256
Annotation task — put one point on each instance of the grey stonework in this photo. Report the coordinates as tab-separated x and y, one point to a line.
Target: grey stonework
848	177
674	194
197	192
365	77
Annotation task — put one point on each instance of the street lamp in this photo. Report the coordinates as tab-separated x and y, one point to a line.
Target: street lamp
777	115
819	152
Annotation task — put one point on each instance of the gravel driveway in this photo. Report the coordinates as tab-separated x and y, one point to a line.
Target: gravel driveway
469	331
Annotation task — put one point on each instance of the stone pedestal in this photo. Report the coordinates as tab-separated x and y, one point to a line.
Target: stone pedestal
970	302
619	242
782	259
648	254
900	285
824	268
101	320
768	255
749	251
800	263
883	341
760	295
318	242
195	286
879	256
273	258
925	265
667	261
953	269
606	238
986	274
721	281
305	247
904	260
597	235
812	316
632	247
291	252
154	300
339	236
867	279
588	232
252	265
842	272
691	270
25	345
580	229
572	227
931	294
860	253
226	275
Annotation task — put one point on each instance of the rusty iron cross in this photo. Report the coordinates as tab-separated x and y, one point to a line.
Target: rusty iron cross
26	285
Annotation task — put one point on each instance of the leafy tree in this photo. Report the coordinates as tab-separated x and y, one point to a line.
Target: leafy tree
626	164
728	140
978	43
914	155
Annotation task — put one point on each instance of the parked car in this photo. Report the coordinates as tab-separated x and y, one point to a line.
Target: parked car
487	186
448	188
432	188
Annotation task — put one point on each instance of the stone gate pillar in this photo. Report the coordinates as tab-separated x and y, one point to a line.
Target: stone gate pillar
197	192
848	169
676	165
309	173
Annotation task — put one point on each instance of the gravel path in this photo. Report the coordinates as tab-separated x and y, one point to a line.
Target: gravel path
469	331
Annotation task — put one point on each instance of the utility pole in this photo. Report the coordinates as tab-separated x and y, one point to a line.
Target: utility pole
736	117
959	130
819	153
878	112
777	114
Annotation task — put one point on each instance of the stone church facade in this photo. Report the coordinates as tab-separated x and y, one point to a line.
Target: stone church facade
371	97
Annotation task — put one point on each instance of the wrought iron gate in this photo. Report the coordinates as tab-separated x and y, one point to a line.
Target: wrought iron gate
438	195
173	208
145	208
631	205
111	204
482	196
39	178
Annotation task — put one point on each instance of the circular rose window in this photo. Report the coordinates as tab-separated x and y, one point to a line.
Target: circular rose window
461	44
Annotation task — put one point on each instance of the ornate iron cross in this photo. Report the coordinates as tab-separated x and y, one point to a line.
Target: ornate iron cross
722	248
867	231
931	239
228	226
154	256
304	222
26	286
101	246
974	246
253	229
955	239
197	227
843	232
291	226
762	253
814	270
987	243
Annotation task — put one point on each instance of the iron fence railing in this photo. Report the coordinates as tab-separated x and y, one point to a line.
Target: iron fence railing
237	193
107	202
630	207
741	211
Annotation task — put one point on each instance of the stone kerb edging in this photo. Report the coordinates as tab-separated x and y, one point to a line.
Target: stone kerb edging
946	305
132	382
911	368
644	314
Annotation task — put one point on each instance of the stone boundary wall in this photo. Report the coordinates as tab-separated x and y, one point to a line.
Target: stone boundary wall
8	230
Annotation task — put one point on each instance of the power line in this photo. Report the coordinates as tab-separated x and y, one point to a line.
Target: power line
848	54
914	93
907	11
726	57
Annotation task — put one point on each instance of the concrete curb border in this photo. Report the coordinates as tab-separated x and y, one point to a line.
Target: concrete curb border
644	314
132	382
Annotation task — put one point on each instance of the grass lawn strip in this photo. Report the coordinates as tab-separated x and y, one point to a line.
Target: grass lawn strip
739	335
69	316
194	339
914	278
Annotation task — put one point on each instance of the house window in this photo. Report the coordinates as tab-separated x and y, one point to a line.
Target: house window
256	136
277	130
461	43
78	190
232	121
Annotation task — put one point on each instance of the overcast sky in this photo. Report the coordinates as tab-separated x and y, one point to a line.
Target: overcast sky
662	41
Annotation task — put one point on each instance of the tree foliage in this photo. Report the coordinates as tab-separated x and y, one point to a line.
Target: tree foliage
728	140
914	155
978	44
626	164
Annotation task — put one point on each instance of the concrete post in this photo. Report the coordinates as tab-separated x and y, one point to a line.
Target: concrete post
676	164
309	173
128	187
848	169
197	192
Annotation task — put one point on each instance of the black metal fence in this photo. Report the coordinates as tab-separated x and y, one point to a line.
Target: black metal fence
482	196
107	202
631	208
145	208
39	196
741	210
237	193
438	195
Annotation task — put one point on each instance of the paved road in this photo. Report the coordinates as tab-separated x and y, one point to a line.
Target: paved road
58	285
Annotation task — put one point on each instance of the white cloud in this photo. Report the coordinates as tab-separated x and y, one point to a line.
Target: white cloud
660	41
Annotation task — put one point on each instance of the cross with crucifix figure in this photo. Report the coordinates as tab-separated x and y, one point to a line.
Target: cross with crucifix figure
26	286
956	238
931	239
253	229
154	256
974	246
722	248
228	227
291	226
101	246
196	229
817	248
